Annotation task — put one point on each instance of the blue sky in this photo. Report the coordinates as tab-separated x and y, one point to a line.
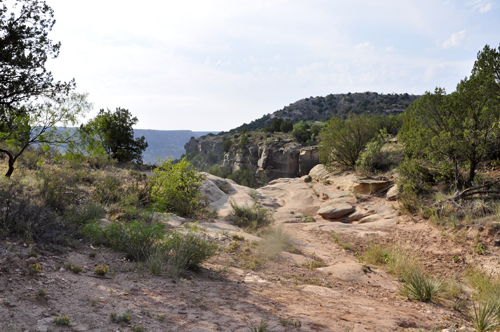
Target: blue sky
213	65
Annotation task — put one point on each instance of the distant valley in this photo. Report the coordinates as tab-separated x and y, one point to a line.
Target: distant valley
166	143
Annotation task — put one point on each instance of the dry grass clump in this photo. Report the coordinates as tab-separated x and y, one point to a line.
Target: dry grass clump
416	283
276	240
252	218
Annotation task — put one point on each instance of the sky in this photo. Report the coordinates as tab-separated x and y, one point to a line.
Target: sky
212	65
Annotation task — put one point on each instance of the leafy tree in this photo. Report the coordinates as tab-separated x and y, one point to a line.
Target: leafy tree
244	141
20	129
286	126
301	132
343	140
226	145
24	50
276	125
113	133
175	187
459	130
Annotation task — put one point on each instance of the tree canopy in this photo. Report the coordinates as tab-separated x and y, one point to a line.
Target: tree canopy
113	133
24	50
20	129
459	130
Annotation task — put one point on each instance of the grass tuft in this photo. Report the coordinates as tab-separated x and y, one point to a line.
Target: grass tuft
252	217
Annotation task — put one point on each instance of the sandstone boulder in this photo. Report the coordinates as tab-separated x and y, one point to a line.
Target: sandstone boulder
393	193
336	210
359	214
367	186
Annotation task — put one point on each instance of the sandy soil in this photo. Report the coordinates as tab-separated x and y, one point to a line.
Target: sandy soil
227	296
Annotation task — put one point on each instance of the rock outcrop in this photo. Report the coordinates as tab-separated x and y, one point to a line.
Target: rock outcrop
204	145
278	159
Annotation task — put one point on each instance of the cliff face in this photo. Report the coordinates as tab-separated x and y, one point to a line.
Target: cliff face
278	159
204	145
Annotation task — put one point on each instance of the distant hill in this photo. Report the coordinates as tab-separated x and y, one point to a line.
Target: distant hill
166	143
322	108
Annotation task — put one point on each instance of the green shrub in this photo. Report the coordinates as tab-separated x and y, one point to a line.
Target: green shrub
136	238
175	187
301	132
420	286
101	270
372	159
188	251
485	317
250	217
376	254
342	141
80	215
57	188
244	177
62	320
108	189
244	141
226	145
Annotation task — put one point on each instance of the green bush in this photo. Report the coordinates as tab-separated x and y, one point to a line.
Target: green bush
286	126
244	141
245	177
342	141
226	145
57	188
301	132
420	286
108	189
250	217
136	238
372	159
77	217
188	251
485	317
175	187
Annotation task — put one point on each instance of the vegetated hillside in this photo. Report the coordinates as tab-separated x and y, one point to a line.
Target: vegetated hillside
322	108
166	143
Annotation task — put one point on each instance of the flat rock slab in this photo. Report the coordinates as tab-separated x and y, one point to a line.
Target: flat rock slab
336	210
254	278
297	259
370	219
221	226
353	272
360	213
368	186
388	212
321	291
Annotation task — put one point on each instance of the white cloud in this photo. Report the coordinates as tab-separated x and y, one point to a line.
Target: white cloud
455	40
482	6
389	49
363	46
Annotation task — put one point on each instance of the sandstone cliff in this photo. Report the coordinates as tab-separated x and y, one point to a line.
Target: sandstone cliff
282	158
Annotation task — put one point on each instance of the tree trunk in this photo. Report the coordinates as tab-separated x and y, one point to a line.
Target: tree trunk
472	172
11	166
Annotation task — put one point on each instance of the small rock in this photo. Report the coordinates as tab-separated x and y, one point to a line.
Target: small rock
31	260
306	178
393	193
407	324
